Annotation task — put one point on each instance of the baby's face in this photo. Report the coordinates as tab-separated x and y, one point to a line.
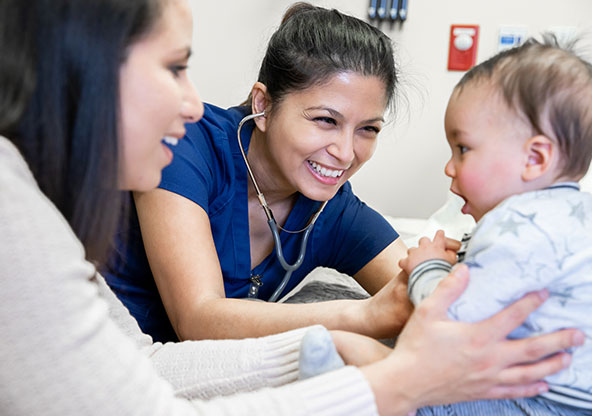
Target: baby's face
488	148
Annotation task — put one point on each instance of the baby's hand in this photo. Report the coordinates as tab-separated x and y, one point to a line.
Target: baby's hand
440	248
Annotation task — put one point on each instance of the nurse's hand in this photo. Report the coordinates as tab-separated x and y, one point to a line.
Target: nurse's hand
437	360
385	313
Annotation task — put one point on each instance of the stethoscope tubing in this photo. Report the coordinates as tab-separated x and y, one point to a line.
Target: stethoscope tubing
289	268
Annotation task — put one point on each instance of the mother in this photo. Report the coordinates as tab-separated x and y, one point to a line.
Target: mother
323	89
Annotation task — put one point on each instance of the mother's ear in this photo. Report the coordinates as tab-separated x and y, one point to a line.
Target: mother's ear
541	153
260	103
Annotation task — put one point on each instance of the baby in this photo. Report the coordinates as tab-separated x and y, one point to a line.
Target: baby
520	129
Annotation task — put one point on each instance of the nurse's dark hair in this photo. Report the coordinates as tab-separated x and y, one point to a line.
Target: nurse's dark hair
312	44
549	86
60	83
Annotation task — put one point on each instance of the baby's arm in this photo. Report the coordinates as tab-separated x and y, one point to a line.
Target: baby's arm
435	258
440	248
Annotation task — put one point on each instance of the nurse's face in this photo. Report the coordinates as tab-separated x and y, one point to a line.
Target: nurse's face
319	137
156	98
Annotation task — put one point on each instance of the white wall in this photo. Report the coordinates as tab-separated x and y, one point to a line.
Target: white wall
405	177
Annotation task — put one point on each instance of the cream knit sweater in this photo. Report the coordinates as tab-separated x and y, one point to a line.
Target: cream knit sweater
69	347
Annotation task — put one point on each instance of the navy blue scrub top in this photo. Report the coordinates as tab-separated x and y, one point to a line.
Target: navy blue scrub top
209	170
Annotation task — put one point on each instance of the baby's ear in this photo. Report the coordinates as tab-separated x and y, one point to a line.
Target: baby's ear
540	152
260	103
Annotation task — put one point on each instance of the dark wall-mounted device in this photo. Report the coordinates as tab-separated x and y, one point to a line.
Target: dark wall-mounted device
385	10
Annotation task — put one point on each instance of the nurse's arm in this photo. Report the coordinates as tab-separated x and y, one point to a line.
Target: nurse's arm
382	268
389	307
183	259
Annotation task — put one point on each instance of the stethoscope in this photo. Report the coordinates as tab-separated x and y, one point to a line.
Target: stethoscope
273	226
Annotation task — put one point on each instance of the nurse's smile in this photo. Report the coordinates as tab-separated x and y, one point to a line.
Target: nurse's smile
325	174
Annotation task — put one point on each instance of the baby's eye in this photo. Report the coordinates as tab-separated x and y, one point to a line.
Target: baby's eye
177	69
462	149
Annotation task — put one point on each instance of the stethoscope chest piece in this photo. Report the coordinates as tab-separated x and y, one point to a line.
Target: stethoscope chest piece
256	283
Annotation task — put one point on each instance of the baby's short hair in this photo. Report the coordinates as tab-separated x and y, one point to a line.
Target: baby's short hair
550	86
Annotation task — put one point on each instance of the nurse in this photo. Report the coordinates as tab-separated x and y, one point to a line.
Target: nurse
323	89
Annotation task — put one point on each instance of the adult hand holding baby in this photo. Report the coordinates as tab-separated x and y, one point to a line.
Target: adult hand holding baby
465	361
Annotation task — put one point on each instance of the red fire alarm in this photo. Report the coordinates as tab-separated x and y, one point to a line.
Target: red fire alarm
462	52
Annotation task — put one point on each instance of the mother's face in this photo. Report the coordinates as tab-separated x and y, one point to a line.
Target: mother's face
319	137
156	97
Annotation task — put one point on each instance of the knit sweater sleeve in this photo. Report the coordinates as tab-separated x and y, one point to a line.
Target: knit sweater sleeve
66	350
222	367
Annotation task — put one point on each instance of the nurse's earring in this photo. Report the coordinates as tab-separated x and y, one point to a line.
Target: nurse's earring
318	354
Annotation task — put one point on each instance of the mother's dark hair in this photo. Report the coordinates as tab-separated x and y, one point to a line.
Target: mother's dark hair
312	44
69	130
17	67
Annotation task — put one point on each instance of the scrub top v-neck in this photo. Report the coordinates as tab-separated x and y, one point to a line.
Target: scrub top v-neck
209	170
